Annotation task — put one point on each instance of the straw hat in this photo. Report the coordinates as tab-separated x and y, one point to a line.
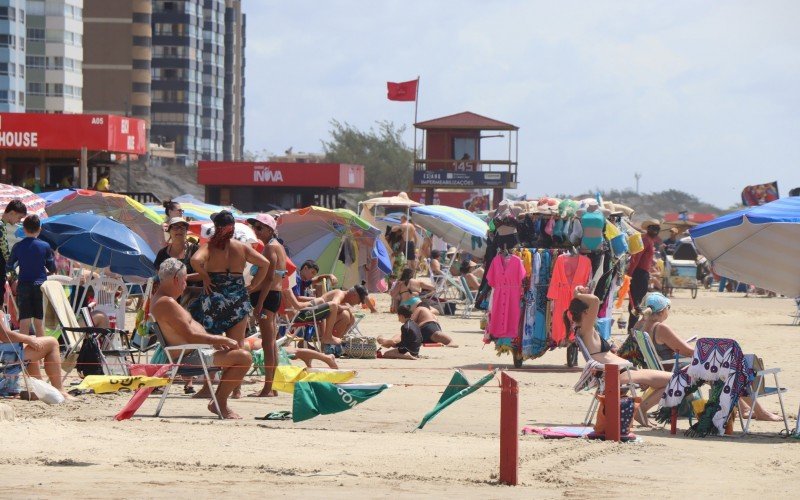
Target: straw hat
649	222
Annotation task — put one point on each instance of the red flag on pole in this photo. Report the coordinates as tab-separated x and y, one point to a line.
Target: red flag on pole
403	91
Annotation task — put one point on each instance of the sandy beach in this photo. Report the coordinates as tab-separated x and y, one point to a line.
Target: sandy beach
78	450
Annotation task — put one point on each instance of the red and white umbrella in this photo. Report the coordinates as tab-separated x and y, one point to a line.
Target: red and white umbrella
32	201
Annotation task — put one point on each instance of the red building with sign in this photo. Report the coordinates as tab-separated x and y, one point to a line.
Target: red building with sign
262	186
49	147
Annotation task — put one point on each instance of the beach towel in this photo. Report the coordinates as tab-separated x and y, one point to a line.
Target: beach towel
588	379
559	432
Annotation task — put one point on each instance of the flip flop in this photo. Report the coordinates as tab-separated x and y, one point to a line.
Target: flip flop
276	415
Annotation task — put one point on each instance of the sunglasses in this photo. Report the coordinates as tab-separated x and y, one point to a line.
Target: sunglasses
259	227
179	210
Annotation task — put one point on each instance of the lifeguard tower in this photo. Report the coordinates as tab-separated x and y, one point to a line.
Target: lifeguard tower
451	156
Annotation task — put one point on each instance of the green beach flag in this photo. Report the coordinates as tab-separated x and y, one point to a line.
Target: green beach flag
323	398
458	387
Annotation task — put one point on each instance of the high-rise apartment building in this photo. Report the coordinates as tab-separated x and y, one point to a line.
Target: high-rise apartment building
117	57
12	55
177	86
213	78
54	56
233	121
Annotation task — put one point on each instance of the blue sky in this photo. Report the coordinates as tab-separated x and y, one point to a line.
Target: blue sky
701	96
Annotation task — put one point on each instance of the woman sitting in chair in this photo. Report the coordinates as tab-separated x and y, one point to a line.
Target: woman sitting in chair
580	318
655	311
407	290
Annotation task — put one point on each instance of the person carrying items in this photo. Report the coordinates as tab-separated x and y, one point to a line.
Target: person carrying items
639	270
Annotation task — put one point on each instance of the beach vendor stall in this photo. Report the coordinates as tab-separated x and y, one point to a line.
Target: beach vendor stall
538	253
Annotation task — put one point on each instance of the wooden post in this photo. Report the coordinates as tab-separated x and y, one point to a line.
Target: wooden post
612	402
673	420
509	430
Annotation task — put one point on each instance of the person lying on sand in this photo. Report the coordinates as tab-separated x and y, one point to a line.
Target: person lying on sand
178	328
425	317
407	344
655	311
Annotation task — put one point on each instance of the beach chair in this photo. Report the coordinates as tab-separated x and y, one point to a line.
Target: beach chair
111	295
759	390
796	316
11	368
116	354
595	403
469	299
60	322
651	358
175	355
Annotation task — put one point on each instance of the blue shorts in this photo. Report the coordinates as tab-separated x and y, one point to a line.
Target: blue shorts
29	301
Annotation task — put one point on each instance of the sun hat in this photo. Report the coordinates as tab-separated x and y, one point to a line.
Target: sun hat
177	220
657	302
649	222
265	219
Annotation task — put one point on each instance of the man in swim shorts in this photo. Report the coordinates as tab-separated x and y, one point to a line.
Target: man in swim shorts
431	331
334	307
408	244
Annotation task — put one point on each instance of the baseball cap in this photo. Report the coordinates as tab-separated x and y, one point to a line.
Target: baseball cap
265	219
223	218
177	220
657	302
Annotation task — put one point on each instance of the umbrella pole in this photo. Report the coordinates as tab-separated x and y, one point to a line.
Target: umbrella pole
341	245
91	271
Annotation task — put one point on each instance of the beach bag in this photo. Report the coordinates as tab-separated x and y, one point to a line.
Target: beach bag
635	243
360	347
627	407
89	358
44	391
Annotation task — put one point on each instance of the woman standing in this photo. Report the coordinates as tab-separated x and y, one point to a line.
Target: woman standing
172	209
181	248
224	304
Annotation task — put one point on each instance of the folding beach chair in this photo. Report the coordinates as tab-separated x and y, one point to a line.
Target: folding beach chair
595	403
796	315
469	299
648	350
12	367
60	322
175	355
758	389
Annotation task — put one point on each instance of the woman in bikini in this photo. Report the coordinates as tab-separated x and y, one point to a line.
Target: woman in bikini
224	304
655	311
407	290
580	318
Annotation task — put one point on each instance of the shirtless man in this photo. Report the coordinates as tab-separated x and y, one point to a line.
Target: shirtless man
408	244
334	307
178	328
267	300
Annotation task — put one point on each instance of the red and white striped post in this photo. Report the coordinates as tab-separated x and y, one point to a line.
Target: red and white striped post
611	376
509	430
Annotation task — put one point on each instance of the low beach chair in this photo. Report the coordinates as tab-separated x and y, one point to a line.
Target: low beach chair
469	299
175	355
111	295
595	403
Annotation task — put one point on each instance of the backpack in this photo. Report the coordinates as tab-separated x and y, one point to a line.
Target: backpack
89	357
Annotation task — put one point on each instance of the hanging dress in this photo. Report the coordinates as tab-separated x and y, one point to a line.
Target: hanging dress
505	277
569	272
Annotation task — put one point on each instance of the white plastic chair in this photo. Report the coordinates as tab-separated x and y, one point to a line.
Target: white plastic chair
110	294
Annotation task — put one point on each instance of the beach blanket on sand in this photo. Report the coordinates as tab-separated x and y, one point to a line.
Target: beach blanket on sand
559	432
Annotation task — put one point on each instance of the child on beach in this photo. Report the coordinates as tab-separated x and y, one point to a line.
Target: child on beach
35	260
407	344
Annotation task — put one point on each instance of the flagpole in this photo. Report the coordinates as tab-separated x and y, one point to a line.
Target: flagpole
413	125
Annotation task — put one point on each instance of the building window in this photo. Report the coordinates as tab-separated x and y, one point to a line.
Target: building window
35	8
9	13
35	62
35	88
21	98
142	41
8	69
36	34
8	41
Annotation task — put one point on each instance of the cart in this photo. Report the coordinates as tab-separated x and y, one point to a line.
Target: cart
680	274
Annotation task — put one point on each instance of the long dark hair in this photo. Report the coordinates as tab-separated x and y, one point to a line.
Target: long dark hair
574	312
222	236
406	276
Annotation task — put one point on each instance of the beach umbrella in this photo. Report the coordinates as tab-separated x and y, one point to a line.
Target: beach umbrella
51	197
194	209
100	242
338	240
32	201
121	208
759	245
456	226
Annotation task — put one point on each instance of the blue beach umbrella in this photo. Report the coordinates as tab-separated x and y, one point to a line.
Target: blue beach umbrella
99	242
51	197
456	226
758	245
